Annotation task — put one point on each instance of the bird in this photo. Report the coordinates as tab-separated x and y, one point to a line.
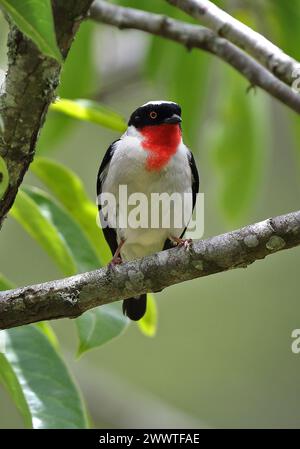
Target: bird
150	157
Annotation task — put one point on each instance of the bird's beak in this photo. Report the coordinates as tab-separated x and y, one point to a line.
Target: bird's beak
173	119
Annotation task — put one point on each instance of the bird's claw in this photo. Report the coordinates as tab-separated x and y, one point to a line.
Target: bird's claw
185	243
115	261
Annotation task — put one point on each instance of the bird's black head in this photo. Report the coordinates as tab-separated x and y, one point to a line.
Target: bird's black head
156	113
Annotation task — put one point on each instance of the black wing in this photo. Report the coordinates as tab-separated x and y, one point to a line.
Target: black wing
195	177
195	189
109	233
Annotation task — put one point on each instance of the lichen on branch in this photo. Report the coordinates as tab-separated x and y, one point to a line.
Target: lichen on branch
73	296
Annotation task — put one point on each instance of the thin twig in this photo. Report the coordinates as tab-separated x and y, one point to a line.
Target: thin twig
193	36
272	57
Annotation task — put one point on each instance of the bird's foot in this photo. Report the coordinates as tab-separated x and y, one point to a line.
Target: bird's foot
185	243
115	261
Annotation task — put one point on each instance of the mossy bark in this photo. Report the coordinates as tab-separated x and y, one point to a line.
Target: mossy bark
30	85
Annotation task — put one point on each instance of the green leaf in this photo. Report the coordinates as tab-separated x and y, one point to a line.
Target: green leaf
39	381
67	187
74	83
99	326
82	254
148	324
239	144
90	111
10	382
47	330
4	177
5	284
34	18
28	214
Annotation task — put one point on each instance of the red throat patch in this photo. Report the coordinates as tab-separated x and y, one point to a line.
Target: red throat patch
161	141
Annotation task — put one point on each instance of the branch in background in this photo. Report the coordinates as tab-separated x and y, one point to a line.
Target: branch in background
273	58
194	36
29	89
124	80
72	296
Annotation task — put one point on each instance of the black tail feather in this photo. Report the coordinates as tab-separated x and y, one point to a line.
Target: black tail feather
135	308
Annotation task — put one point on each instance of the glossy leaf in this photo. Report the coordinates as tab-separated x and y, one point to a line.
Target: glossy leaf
39	381
90	111
7	375
148	324
28	214
4	177
67	187
98	326
10	382
74	83
47	330
34	18
82	254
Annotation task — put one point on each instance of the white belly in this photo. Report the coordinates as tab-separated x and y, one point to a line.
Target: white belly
127	168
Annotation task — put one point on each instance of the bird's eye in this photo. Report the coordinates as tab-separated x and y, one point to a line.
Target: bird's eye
153	114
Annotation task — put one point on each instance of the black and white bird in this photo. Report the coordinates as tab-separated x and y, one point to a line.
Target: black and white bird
150	157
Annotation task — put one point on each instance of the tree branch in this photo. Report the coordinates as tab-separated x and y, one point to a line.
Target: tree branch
29	89
193	36
72	296
273	58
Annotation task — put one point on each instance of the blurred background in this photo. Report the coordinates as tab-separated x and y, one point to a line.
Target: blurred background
222	355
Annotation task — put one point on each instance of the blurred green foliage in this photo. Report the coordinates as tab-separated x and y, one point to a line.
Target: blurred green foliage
240	144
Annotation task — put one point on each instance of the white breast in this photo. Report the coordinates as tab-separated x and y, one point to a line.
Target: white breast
128	167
